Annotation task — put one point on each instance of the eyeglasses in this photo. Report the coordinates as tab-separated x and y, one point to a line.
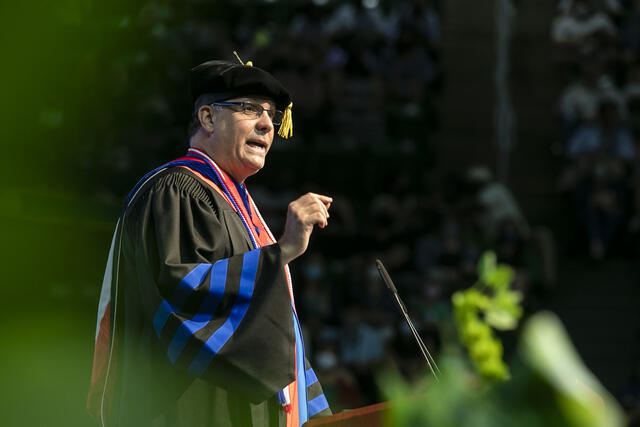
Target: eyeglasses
254	110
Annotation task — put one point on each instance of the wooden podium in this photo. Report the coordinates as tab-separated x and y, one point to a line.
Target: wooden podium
367	416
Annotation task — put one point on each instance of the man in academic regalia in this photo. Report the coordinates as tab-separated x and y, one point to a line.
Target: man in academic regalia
197	324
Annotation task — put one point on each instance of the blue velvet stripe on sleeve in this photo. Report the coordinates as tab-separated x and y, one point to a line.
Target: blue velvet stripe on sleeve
311	377
180	294
317	405
220	337
205	312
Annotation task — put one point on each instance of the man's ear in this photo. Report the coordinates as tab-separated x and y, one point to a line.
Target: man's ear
205	116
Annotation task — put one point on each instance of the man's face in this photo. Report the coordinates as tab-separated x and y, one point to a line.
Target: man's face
240	143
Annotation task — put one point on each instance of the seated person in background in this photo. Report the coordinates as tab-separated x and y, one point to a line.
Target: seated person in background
599	158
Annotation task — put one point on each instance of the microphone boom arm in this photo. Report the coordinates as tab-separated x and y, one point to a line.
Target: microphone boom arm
423	348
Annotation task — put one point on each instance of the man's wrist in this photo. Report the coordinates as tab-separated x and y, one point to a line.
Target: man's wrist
286	252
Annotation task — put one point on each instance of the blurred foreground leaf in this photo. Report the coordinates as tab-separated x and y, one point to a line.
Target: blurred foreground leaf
545	347
550	387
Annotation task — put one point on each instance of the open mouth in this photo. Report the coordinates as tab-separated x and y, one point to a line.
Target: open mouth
257	145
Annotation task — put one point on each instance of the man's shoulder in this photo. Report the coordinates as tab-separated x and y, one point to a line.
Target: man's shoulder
176	176
177	180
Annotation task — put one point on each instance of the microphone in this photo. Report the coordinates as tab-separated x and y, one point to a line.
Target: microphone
423	348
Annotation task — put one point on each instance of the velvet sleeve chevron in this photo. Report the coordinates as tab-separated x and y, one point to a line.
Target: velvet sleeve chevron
219	310
317	405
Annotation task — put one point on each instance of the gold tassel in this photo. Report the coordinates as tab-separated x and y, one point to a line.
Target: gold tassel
286	128
248	64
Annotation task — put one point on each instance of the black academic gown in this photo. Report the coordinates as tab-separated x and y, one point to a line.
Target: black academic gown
203	322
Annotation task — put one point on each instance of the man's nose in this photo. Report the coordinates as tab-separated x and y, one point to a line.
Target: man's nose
264	122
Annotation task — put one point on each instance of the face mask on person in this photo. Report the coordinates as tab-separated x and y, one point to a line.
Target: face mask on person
326	359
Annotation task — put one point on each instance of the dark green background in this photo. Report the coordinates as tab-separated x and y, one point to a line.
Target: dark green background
64	95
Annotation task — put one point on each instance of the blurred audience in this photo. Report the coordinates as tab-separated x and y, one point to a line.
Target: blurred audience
366	75
351	318
598	116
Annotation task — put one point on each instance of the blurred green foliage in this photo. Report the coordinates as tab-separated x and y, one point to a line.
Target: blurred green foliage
550	386
62	94
489	303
